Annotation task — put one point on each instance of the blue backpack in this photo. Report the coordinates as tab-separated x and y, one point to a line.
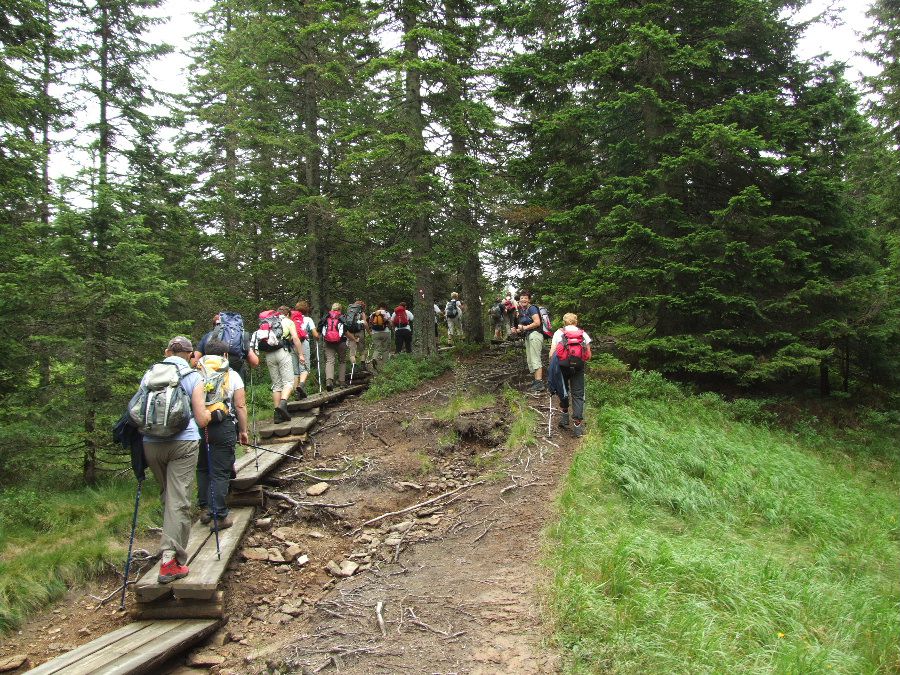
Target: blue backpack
231	331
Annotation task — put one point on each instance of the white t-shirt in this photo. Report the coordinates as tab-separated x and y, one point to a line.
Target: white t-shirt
557	337
308	324
409	317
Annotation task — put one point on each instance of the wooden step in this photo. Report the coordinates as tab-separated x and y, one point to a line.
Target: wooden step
296	427
139	647
250	474
207	567
317	400
201	560
148	588
175	608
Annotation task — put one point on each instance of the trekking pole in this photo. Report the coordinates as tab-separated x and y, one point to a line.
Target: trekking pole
318	367
274	452
550	419
137	502
352	368
209	497
253	414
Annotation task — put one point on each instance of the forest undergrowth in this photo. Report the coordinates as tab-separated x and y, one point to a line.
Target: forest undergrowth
696	535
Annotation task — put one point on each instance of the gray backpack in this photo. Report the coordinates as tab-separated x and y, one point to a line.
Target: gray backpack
161	407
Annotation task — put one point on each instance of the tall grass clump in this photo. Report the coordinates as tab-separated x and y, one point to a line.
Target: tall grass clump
523	420
404	372
50	541
693	540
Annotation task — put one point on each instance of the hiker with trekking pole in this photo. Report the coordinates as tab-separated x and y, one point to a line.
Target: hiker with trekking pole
380	325
225	399
307	331
169	410
333	327
570	349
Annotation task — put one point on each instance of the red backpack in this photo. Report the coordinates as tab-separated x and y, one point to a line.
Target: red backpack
334	327
400	316
297	318
572	351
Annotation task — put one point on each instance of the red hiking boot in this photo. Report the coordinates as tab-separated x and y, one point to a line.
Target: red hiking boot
170	571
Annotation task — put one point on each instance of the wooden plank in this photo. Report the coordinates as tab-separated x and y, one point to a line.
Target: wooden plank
100	661
249	475
174	608
255	496
148	588
192	632
87	649
296	427
317	400
207	568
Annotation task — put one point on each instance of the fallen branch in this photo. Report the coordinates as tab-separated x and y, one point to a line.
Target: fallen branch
480	536
372	521
400	543
379	608
306	505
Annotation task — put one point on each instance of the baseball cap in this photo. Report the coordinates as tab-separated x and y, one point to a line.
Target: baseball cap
179	343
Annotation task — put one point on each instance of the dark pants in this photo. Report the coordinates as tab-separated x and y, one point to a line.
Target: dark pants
575	388
222	439
403	340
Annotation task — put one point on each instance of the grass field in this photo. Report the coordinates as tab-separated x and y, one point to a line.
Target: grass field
694	538
51	540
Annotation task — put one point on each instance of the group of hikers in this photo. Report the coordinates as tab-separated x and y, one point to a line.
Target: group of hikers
190	411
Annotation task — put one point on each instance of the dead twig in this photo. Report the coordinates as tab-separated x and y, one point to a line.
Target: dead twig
379	616
486	530
372	521
400	543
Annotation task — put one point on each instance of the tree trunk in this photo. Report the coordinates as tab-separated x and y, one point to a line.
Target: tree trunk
824	379
45	124
424	340
314	213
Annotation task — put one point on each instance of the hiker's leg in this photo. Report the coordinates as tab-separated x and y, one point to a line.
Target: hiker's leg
534	342
222	439
295	364
330	356
352	348
567	381
202	478
342	354
286	369
181	465
407	338
398	341
304	367
577	389
275	375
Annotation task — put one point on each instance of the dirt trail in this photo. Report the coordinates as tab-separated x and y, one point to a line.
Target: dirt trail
456	581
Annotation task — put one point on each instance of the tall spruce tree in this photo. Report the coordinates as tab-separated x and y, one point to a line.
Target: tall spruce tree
672	155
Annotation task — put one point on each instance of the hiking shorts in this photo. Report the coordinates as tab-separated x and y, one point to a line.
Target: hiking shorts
534	345
300	368
281	370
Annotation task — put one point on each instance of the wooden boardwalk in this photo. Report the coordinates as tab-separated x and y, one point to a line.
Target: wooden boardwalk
139	647
174	617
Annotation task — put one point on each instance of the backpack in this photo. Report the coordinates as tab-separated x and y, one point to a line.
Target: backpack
509	306
270	336
161	407
297	318
402	318
230	330
334	327
216	375
546	328
496	311
571	351
354	318
452	310
377	321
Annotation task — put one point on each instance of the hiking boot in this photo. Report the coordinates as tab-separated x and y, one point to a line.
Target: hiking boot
285	415
205	518
224	523
564	420
301	393
329	385
170	571
578	429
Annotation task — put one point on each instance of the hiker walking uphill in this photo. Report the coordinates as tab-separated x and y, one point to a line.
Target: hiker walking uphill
334	334
169	409
569	350
357	325
402	321
306	327
227	404
273	338
229	328
380	325
453	310
497	314
530	326
511	312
